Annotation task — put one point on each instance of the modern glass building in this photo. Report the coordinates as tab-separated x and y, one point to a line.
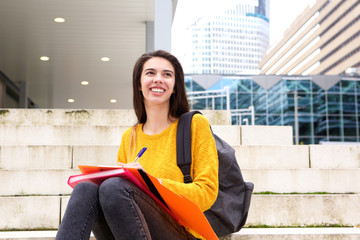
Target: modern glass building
319	108
231	42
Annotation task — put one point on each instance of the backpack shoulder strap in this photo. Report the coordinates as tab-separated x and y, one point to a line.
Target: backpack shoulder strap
183	144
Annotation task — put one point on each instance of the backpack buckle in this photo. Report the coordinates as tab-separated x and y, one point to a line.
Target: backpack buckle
187	179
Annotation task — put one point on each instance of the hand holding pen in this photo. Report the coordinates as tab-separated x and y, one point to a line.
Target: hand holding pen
140	154
134	164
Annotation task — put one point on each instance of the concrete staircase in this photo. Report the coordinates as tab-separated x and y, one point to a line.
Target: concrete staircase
300	191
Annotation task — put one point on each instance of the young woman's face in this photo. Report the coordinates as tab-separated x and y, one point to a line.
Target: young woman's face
157	81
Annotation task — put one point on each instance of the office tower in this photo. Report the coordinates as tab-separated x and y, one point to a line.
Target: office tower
323	40
229	42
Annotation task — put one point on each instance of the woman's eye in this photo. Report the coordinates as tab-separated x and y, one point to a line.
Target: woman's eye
149	73
168	74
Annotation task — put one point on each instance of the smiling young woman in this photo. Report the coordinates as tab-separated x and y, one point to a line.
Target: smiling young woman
118	209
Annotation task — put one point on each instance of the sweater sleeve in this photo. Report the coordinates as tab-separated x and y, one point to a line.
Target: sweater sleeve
204	170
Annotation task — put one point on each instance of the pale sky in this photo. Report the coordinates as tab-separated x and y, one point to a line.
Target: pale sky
282	14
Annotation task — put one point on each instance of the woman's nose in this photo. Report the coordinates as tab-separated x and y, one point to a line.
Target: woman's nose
158	78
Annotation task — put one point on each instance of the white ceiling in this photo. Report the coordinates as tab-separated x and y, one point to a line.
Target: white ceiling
93	29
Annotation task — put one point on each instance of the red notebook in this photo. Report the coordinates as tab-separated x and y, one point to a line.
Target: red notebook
98	174
183	210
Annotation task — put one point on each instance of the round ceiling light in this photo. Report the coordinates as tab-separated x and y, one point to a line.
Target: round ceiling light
105	59
59	20
44	58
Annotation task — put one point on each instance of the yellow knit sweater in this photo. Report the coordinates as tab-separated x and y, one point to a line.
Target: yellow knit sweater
159	160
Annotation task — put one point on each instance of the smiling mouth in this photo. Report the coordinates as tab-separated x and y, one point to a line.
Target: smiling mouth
157	90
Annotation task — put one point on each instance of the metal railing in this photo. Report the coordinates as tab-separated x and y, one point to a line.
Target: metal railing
239	113
210	95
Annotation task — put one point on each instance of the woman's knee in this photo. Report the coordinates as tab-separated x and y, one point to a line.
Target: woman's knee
113	185
86	189
113	190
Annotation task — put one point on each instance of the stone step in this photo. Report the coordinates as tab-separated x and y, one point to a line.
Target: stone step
304	210
296	234
35	182
105	127
244	234
36	157
60	135
335	156
111	135
65	157
85	135
67	117
249	157
54	182
304	180
30	213
298	156
31	235
266	135
87	117
292	210
55	157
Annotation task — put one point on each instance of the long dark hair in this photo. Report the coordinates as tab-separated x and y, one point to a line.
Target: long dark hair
178	100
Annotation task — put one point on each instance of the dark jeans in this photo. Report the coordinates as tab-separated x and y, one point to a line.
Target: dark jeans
116	210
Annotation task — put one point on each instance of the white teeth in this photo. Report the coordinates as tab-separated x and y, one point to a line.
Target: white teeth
157	90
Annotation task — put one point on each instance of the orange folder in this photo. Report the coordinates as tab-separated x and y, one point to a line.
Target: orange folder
185	212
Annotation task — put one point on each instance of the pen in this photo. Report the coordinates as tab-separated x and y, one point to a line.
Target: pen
140	154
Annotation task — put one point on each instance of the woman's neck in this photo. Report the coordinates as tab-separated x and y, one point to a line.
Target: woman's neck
157	120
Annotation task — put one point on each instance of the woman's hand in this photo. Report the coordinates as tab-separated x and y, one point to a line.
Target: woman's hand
136	165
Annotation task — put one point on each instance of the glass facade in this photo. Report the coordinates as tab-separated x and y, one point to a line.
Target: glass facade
318	114
230	42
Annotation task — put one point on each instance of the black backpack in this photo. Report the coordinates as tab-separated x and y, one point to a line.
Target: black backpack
230	210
